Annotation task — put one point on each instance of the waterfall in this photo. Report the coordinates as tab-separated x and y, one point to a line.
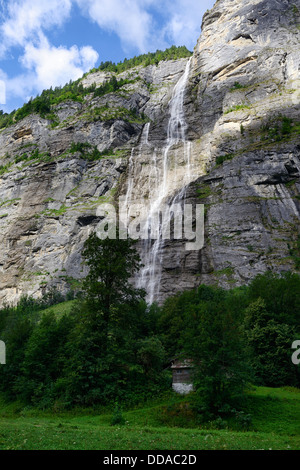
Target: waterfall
150	275
154	176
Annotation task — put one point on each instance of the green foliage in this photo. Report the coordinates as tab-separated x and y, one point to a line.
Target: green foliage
235	337
237	86
117	417
271	325
238	107
208	330
294	251
101	349
274	425
79	147
4	168
151	355
269	344
152	58
6	119
43	104
110	346
40	105
295	10
74	91
281	295
33	155
43	360
223	158
204	191
16	326
89	152
111	86
111	263
279	128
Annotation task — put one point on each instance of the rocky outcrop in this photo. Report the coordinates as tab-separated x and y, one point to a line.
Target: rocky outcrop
239	157
243	113
49	194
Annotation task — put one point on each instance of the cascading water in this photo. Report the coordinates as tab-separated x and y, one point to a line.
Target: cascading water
150	275
154	176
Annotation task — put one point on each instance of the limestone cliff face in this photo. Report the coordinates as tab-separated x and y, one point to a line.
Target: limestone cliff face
244	85
49	196
239	156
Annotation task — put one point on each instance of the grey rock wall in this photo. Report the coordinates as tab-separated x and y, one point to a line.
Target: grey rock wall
49	200
243	82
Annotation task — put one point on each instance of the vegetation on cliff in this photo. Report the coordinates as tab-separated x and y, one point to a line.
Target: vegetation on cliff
74	90
151	58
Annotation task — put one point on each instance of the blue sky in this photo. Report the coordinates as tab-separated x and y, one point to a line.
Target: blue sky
46	43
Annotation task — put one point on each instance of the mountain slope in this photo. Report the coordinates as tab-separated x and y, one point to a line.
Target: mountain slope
242	108
237	152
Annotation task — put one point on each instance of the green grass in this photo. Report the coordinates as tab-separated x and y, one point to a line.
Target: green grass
87	435
203	191
238	107
275	425
223	158
63	308
238	86
276	410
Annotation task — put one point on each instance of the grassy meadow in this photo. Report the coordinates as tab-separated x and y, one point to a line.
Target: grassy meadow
164	424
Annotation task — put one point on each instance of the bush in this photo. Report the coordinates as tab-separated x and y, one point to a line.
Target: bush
117	417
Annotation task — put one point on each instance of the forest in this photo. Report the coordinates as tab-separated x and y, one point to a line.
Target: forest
110	346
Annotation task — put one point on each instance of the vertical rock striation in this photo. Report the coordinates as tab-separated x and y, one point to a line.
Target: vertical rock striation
237	152
243	114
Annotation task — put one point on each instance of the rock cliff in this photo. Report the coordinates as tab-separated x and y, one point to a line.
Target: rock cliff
223	125
242	108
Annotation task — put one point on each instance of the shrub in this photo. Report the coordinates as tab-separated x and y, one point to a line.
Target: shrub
117	417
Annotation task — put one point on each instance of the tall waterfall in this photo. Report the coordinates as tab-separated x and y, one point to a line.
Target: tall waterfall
168	173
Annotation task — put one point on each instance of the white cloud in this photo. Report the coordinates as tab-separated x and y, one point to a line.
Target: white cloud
26	19
183	20
143	25
44	65
54	66
134	21
127	18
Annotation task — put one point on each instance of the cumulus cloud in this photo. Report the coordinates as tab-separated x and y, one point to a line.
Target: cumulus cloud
134	21
24	25
129	19
25	19
183	20
54	66
142	25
